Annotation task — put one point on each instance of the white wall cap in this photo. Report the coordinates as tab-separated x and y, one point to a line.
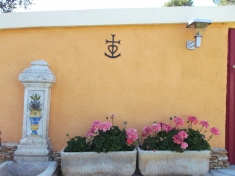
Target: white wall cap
110	17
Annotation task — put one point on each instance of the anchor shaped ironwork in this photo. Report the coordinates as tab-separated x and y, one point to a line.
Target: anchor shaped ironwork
113	48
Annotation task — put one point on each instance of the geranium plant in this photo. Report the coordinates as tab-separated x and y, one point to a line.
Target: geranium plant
104	137
161	136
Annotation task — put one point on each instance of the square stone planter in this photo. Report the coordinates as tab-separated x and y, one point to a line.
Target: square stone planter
153	163
98	164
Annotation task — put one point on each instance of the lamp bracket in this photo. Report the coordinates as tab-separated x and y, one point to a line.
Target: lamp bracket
190	45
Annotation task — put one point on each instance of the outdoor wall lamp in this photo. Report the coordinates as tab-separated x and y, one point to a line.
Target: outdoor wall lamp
200	26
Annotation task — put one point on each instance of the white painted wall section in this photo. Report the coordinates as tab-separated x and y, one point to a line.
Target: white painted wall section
109	17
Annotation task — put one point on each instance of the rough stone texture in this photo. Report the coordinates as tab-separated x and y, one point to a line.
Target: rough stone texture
219	158
99	164
11	147
167	162
33	149
38	72
56	157
7	151
10	168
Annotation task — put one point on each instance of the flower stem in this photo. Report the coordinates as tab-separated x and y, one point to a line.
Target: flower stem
210	137
124	125
171	120
204	132
201	128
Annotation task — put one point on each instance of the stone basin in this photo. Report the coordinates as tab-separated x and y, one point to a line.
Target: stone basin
23	168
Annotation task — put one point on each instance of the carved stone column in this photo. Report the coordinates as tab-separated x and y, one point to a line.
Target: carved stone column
35	143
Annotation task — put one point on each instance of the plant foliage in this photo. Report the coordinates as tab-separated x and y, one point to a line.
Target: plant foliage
111	140
224	2
77	144
196	140
7	6
163	141
163	136
172	3
104	137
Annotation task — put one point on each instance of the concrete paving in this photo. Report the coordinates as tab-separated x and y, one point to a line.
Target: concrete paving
222	172
213	172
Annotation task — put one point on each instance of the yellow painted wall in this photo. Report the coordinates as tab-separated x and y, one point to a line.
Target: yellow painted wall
154	78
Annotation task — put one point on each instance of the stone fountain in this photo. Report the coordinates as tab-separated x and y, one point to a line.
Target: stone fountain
33	154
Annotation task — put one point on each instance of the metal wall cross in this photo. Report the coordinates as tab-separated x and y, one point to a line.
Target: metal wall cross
113	48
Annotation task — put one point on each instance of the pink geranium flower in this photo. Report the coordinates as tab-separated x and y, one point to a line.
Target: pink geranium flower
106	126
161	123
120	139
97	125
204	123
184	145
215	131
132	134
178	136
112	115
147	131
156	127
177	139
90	133
192	119
183	134
178	121
166	127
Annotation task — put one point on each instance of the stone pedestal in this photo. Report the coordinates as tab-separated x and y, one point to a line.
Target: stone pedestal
33	148
35	144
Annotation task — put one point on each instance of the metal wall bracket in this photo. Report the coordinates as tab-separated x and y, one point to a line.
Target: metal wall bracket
190	45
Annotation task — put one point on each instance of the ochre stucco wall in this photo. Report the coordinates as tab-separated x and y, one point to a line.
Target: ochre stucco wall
154	78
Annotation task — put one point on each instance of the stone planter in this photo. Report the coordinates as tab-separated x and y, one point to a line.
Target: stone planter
98	164
153	163
11	168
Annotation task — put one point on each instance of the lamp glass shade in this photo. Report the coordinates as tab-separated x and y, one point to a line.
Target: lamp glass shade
200	31
198	41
